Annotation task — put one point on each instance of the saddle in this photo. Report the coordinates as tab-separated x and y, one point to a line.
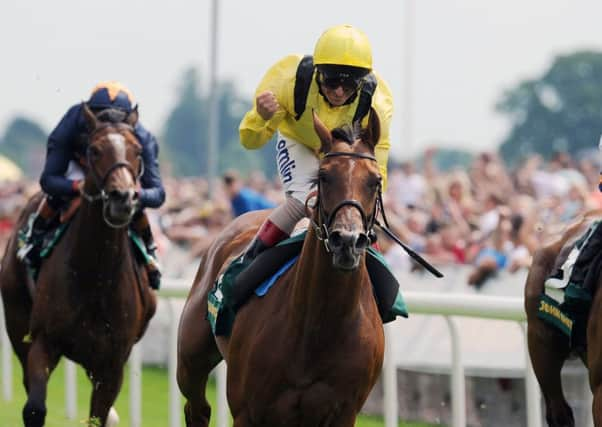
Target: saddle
565	305
56	231
240	280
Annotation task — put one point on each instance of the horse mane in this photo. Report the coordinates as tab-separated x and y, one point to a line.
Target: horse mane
351	133
111	115
347	133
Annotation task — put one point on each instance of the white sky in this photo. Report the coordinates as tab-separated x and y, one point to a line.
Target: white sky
465	52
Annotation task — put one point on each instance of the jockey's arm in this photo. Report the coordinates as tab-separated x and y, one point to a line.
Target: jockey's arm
382	102
59	153
152	193
254	131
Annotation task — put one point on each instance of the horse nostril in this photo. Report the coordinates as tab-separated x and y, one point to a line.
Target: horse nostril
340	239
362	242
335	240
119	195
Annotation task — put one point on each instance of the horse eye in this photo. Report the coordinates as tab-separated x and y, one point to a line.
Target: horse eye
374	182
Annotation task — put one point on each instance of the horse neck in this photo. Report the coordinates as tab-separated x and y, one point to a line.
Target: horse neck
323	296
96	247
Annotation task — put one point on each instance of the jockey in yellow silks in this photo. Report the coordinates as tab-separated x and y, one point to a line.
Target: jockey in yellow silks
339	84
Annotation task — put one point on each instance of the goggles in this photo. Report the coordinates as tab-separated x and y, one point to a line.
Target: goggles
347	82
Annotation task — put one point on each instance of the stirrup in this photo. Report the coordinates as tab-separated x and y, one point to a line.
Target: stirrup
154	263
154	277
24	251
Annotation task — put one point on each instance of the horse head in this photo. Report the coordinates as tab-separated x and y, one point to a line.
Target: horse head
348	190
114	164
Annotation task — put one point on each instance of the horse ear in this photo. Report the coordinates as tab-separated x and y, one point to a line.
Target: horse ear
323	133
373	130
91	120
132	118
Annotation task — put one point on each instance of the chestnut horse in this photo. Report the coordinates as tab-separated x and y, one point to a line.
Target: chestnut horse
548	347
309	352
91	301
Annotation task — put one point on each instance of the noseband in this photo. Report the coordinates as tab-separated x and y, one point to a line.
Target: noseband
323	230
101	181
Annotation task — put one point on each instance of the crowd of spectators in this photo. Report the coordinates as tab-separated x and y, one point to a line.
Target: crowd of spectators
485	216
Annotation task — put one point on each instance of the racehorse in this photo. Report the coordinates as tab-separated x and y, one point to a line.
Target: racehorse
91	301
548	347
309	352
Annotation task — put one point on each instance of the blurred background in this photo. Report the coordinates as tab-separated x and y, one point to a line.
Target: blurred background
498	113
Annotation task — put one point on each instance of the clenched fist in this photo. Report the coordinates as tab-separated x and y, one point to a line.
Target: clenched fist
267	104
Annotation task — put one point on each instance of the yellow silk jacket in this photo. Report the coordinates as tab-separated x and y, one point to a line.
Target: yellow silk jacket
280	79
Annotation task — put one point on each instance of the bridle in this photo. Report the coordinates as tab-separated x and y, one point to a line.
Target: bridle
323	232
322	229
101	181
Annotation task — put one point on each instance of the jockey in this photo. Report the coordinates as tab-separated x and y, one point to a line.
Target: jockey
340	86
62	177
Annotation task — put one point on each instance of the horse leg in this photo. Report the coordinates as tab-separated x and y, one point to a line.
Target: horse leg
341	420
597	406
105	388
17	327
40	364
548	348
197	356
241	421
547	357
594	357
17	309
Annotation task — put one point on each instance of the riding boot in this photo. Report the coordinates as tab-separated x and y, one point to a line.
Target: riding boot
269	235
30	253
255	248
142	227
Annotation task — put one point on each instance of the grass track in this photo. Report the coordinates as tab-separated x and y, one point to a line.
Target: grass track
154	401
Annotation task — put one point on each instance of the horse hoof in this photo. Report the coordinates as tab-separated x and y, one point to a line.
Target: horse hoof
33	416
112	418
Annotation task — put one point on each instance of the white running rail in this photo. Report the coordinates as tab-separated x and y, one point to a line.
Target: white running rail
447	305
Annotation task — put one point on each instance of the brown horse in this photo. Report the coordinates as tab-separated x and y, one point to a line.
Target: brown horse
91	301
308	352
548	347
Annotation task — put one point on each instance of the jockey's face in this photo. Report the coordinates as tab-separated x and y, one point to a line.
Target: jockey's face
337	97
338	90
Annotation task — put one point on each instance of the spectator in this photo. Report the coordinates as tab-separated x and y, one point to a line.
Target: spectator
242	198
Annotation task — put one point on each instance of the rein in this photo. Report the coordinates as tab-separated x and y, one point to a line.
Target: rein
413	254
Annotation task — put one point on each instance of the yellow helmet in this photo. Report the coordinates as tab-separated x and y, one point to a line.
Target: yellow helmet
343	45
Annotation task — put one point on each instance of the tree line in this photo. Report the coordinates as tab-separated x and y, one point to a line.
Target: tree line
183	140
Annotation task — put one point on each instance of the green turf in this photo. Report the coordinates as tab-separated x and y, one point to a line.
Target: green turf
154	401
